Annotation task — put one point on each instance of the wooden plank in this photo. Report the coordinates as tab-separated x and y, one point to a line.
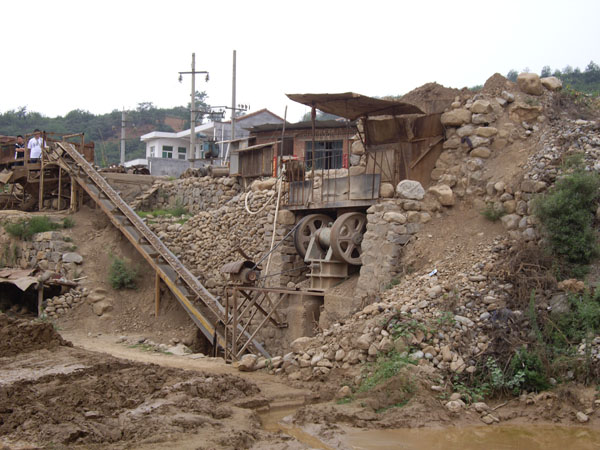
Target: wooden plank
156	294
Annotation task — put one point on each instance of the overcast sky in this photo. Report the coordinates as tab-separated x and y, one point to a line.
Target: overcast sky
104	55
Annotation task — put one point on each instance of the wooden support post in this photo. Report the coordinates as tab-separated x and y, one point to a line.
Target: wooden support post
41	188
235	326
59	187
156	295
40	290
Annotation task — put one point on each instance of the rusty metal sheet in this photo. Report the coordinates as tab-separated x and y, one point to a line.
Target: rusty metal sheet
255	147
390	129
19	277
14	274
353	106
5	176
427	126
386	130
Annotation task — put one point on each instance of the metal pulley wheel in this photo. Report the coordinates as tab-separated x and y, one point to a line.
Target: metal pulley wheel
307	228
347	235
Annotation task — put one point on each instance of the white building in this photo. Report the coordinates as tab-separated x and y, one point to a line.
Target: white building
167	152
161	144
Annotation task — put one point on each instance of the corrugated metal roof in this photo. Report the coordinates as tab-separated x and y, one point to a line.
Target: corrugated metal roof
303	125
353	106
255	147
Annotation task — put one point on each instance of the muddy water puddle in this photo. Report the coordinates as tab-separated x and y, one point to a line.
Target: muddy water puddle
532	437
503	437
275	421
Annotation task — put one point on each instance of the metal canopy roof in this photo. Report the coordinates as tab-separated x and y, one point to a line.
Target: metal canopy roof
255	147
352	106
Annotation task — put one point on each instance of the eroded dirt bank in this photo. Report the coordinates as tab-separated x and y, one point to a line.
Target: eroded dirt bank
65	397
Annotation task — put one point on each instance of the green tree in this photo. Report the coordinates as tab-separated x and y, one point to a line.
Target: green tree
546	71
512	75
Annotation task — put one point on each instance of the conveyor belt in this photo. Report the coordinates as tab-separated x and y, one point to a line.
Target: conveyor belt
204	309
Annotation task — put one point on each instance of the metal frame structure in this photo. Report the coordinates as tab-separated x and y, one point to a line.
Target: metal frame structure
204	309
241	316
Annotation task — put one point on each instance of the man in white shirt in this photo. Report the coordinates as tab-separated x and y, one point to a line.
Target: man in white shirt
35	146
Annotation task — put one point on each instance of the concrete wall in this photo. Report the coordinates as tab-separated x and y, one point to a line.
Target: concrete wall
168	167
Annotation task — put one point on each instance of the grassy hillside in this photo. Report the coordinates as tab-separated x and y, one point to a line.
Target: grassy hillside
103	129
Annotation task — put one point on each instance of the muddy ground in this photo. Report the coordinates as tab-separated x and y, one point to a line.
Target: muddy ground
57	396
101	394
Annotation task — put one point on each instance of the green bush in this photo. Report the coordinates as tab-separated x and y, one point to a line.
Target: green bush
68	222
493	213
384	368
25	229
121	275
177	211
567	215
528	369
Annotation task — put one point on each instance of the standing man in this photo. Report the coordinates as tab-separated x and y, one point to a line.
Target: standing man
19	151
35	146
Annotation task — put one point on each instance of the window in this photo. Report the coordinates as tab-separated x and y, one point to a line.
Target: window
167	151
328	154
152	148
181	152
288	147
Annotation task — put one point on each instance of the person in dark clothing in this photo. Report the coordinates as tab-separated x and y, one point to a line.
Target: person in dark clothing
19	151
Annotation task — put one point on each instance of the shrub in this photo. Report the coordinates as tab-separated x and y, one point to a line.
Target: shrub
493	213
178	210
68	222
528	370
25	229
567	215
121	275
384	368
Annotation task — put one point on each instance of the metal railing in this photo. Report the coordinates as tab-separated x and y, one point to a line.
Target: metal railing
335	180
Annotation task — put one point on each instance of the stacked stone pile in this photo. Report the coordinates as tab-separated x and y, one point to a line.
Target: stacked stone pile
195	194
209	239
61	304
563	138
456	308
49	251
445	320
391	224
485	124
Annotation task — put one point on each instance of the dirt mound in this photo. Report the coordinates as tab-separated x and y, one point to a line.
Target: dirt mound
497	83
432	97
22	336
117	401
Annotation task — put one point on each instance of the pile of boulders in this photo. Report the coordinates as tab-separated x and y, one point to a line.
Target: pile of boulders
194	194
563	138
412	318
391	225
211	238
61	304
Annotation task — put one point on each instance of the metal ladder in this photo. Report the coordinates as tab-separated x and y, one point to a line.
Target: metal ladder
205	310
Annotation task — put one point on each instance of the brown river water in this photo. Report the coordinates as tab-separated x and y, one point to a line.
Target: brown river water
496	437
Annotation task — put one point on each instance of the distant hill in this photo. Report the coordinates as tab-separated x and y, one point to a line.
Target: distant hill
103	129
586	81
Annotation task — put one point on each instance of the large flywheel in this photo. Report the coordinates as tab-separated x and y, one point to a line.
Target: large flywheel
347	235
307	228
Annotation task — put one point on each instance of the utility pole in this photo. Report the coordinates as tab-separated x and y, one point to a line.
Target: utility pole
123	122
192	149
233	101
